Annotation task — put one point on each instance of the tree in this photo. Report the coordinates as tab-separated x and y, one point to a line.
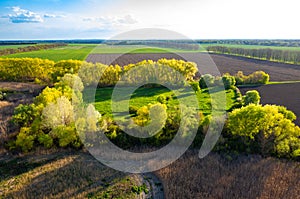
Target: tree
228	81
264	129
258	77
206	80
251	97
58	114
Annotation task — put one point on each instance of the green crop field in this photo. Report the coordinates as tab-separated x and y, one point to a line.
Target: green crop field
75	51
81	51
2	47
107	49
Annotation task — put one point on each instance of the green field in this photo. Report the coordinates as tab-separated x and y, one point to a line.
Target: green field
72	51
144	96
14	46
81	51
106	49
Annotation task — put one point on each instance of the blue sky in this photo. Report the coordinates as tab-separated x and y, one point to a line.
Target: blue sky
103	19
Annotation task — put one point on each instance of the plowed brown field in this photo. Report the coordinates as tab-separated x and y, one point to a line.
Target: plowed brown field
287	95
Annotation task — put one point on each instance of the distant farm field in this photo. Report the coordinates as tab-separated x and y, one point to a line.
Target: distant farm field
136	49
14	46
81	51
76	52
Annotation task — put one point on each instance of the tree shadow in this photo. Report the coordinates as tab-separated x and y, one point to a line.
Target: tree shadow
75	176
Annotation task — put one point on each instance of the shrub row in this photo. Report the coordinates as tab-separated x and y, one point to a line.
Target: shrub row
229	81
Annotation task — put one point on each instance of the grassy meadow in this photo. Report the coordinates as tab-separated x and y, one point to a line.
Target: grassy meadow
144	96
14	46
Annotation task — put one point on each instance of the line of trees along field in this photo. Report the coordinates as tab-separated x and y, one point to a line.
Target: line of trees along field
286	56
261	42
10	51
46	71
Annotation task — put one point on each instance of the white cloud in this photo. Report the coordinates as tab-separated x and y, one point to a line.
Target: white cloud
53	16
24	16
112	21
128	19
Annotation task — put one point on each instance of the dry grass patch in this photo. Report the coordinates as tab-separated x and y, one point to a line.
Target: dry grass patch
62	175
243	177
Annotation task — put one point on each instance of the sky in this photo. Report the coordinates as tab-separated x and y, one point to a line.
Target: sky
105	19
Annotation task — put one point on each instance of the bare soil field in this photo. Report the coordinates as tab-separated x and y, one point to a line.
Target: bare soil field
225	63
287	95
243	176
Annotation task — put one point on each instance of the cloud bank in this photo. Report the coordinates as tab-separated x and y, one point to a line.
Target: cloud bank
20	15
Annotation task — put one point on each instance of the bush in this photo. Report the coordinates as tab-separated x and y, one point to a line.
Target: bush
239	78
46	140
251	97
25	140
161	99
65	66
206	80
2	95
195	86
66	136
133	109
48	95
228	81
258	77
25	114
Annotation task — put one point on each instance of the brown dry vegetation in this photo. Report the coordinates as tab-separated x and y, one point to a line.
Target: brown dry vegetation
242	177
64	174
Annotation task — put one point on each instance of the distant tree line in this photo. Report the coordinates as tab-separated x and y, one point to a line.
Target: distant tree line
260	42
9	51
177	44
286	56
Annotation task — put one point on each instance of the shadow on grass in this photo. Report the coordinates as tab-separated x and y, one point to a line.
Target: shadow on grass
76	175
